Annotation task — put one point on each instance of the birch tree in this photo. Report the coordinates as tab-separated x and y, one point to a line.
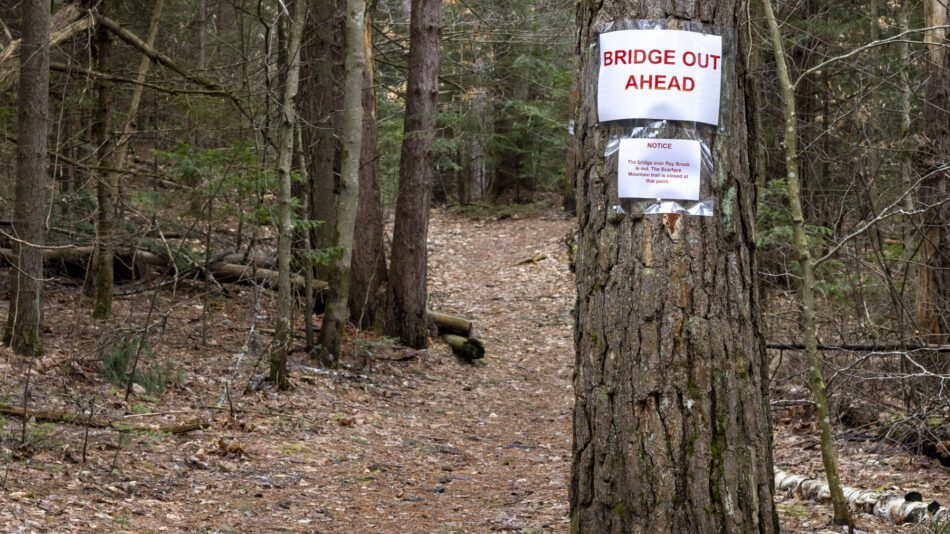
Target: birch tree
285	154
337	313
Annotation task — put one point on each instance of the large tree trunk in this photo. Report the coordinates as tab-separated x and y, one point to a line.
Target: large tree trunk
321	100
671	427
337	313
285	154
933	267
24	329
406	295
368	271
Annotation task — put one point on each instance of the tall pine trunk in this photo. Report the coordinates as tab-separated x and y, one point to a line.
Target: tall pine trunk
337	313
933	267
406	295
24	329
368	271
105	194
671	423
321	104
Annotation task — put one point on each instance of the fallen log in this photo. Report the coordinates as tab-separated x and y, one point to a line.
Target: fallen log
128	263
469	349
73	419
450	324
74	260
235	272
898	509
83	253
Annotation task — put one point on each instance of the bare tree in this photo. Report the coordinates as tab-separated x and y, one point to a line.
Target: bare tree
113	156
321	102
105	195
933	271
806	266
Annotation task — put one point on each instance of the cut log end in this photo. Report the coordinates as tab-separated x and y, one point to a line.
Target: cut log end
469	349
450	324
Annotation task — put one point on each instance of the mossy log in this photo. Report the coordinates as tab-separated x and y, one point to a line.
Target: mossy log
450	324
469	349
74	419
899	509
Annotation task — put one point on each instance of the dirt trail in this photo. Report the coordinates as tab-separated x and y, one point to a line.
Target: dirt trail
423	443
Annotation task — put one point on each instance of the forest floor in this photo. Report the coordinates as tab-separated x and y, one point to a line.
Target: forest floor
421	442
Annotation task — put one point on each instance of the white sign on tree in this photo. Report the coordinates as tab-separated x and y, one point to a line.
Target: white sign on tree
659	74
658	168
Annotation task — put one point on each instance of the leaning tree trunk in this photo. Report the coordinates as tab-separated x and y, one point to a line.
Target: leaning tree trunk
933	267
368	270
406	295
806	265
671	426
337	313
24	329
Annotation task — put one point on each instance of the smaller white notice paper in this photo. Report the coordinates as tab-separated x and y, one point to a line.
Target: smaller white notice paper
659	168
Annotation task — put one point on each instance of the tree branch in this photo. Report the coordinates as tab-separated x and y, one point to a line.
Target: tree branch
889	40
135	42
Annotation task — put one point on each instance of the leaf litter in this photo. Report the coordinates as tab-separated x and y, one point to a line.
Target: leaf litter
421	441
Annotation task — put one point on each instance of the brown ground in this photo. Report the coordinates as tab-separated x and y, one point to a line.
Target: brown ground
422	443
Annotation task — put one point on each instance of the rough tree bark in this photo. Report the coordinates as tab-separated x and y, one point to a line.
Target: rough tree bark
24	329
337	313
933	267
671	427
406	294
321	103
285	154
368	271
105	196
